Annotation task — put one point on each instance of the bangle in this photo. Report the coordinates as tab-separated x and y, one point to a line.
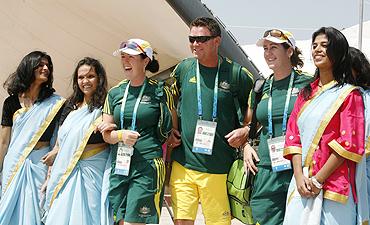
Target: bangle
119	135
316	182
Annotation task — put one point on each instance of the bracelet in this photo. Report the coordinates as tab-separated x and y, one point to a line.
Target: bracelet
119	135
316	182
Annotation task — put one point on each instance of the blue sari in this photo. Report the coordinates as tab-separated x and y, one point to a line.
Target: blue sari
314	117
366	177
77	192
23	173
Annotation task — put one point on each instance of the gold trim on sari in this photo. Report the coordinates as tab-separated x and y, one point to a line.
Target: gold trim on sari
335	196
321	90
19	112
367	147
35	139
92	152
292	150
343	152
76	157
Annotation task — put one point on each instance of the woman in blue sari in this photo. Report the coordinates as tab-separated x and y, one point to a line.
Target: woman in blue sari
77	185
28	122
325	141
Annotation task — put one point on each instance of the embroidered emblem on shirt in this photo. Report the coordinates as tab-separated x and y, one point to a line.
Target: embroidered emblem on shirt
145	99
224	85
144	211
193	80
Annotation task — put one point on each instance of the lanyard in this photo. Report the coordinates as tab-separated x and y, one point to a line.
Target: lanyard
269	107
215	94
124	99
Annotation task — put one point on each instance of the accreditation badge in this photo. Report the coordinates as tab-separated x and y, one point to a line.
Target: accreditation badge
204	137
276	149
123	160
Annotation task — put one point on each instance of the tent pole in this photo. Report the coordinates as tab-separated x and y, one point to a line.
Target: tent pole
360	24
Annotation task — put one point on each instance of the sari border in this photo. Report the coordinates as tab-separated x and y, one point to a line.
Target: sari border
93	152
367	147
32	143
335	197
19	112
76	157
343	152
290	150
324	123
321	90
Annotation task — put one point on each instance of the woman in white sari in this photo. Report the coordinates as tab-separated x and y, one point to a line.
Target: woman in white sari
28	122
77	186
325	136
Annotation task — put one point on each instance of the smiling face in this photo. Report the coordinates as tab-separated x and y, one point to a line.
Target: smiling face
204	50
276	56
42	72
87	80
319	52
133	65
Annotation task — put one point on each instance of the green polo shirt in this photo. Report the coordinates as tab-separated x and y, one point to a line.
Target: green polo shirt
279	92
185	88
148	145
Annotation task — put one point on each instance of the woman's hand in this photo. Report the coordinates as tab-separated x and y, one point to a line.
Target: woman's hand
174	139
105	127
250	156
304	186
44	186
48	158
237	137
129	137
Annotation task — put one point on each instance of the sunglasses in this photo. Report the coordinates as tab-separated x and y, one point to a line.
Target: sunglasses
132	45
278	34
200	39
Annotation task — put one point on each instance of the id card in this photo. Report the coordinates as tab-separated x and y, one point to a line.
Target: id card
123	160
204	137
276	148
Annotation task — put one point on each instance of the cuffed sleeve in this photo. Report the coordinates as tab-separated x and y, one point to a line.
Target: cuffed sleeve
350	143
293	143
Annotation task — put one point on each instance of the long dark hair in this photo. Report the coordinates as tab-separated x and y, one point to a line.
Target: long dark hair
337	52
98	98
361	66
20	81
296	59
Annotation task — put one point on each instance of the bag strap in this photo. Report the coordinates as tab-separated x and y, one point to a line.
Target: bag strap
234	89
258	90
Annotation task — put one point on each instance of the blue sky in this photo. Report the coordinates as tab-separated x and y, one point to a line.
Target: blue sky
248	19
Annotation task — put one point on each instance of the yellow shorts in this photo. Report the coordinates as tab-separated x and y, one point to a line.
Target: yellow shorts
188	187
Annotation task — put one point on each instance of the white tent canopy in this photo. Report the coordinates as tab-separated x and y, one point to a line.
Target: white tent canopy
70	30
351	33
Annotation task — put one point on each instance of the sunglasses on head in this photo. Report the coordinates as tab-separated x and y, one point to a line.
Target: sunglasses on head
278	34
132	45
200	39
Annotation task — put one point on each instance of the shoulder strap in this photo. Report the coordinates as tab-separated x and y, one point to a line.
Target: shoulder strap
258	91
234	89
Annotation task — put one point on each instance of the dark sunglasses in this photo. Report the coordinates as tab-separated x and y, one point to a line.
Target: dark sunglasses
200	39
278	34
